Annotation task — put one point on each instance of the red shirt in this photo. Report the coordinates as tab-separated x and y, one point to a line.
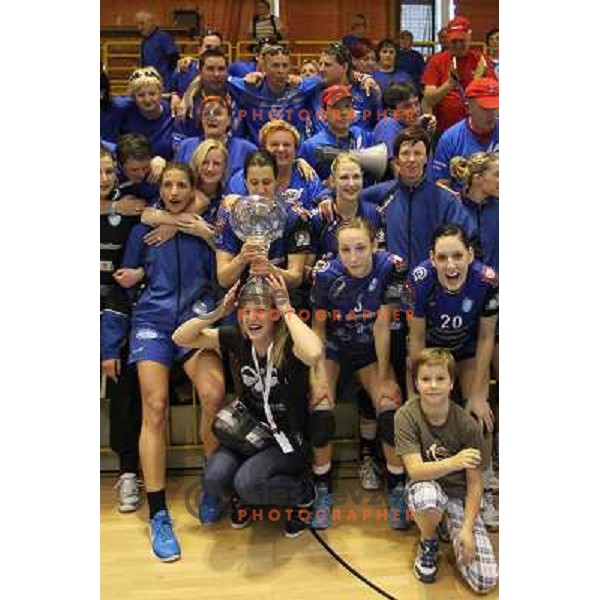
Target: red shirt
452	108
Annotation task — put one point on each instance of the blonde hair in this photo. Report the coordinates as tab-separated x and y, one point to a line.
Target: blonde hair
278	125
201	152
436	356
256	290
343	157
144	76
464	169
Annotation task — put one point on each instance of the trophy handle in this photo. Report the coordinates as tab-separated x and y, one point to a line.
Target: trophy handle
259	240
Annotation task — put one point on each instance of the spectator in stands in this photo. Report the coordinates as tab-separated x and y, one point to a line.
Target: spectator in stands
241	68
157	49
112	110
211	80
492	43
387	71
403	108
364	56
335	68
286	256
188	67
309	68
215	124
282	348
178	277
412	207
356	286
273	97
478	132
264	24
122	387
340	132
297	182
134	168
409	60
150	115
358	29
442	36
442	451
447	75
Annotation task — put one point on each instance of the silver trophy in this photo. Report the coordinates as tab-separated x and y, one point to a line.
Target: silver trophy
258	220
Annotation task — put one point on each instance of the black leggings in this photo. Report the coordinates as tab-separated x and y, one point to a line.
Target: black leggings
125	415
270	477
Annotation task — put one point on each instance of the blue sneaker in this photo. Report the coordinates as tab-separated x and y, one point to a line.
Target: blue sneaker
397	508
321	517
210	509
165	545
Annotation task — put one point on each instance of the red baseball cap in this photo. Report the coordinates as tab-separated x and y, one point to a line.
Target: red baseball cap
458	29
486	91
333	94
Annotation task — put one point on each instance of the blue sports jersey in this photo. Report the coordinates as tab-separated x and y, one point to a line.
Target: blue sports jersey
485	221
368	109
324	232
180	81
178	274
352	303
357	139
111	117
159	51
459	140
237	150
241	68
257	105
296	237
411	62
452	318
410	216
158	131
301	192
384	79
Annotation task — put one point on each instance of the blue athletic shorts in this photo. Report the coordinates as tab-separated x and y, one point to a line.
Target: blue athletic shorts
147	343
356	357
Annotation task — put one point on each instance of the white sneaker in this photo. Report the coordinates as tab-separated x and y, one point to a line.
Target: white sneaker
368	472
129	493
489	513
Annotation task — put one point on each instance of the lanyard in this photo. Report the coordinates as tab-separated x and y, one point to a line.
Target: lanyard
265	385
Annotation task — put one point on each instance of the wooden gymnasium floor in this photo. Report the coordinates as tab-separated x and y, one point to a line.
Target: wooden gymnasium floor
258	562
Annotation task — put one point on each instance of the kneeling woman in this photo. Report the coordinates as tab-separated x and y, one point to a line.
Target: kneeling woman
274	348
178	274
351	316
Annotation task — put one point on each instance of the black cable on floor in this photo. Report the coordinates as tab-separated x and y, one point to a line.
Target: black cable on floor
349	567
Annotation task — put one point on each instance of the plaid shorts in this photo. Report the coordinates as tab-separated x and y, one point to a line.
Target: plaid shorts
482	573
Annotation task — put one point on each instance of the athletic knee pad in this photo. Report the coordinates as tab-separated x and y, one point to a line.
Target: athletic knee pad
385	425
365	404
321	427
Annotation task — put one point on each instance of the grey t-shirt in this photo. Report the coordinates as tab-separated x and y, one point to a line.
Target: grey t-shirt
414	434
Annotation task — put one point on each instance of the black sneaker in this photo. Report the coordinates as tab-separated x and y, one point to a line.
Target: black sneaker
240	515
300	519
298	523
426	561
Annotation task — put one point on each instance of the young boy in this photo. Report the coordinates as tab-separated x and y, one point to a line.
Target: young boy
441	447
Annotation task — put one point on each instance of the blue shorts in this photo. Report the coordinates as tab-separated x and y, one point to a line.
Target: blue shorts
356	357
147	343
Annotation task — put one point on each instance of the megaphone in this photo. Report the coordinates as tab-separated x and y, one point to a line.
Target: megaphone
372	160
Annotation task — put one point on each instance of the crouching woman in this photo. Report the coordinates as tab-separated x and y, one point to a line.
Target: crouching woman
274	349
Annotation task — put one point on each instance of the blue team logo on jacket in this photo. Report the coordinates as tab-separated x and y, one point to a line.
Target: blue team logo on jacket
373	284
467	305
